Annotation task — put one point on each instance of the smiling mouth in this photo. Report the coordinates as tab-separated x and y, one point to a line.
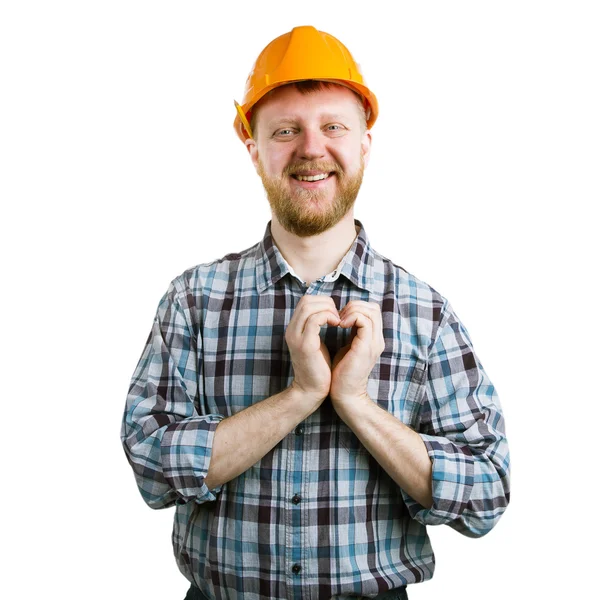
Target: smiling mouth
319	177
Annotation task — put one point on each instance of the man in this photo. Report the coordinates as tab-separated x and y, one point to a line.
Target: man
307	405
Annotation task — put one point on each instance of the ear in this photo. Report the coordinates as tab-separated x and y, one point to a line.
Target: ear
252	148
365	146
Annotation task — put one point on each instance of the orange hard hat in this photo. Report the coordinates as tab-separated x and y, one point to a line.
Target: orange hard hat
303	53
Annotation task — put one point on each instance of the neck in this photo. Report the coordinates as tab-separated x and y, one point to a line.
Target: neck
316	256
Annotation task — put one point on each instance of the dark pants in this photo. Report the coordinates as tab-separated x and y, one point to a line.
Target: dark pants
399	594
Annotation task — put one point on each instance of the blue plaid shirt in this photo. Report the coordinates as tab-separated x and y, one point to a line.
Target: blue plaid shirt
316	517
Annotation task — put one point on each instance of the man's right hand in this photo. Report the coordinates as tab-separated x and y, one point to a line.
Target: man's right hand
242	439
310	357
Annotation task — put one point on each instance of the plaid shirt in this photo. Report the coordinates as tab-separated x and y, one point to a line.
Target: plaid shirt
316	517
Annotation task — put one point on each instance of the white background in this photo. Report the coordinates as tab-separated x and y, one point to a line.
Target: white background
119	169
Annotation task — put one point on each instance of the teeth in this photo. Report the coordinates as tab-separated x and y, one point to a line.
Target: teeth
312	177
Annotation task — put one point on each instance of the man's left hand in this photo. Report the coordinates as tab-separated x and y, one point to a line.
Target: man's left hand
353	363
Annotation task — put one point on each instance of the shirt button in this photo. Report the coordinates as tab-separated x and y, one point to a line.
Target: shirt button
296	499
296	569
299	430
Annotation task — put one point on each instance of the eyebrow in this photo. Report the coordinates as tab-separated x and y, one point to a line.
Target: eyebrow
295	118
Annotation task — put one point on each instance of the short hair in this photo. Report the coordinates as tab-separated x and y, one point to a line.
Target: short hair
309	86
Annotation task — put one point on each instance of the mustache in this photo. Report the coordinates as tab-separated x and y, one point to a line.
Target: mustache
303	167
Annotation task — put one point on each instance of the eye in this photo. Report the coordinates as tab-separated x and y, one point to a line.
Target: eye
284	132
335	128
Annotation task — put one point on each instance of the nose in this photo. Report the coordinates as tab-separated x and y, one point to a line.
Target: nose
311	144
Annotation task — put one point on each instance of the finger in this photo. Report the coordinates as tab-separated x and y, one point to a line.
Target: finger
375	326
315	321
368	327
365	307
305	309
349	312
362	323
310	304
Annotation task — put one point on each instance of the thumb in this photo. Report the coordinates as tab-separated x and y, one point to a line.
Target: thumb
340	355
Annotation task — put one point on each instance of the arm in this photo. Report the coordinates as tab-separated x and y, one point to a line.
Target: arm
396	447
244	438
167	442
462	427
455	469
179	455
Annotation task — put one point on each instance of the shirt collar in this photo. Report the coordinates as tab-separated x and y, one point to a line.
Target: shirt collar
357	265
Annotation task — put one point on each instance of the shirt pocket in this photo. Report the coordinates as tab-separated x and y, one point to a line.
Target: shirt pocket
396	384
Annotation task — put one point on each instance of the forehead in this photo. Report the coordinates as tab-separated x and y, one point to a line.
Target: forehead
288	102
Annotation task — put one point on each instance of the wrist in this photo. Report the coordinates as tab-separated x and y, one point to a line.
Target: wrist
348	406
301	396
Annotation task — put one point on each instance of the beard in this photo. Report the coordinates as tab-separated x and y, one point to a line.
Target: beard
306	212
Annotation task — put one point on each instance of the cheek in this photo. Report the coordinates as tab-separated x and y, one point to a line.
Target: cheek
276	162
350	163
349	156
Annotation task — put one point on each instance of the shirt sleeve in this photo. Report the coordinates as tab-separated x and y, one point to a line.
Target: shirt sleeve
167	442
462	426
